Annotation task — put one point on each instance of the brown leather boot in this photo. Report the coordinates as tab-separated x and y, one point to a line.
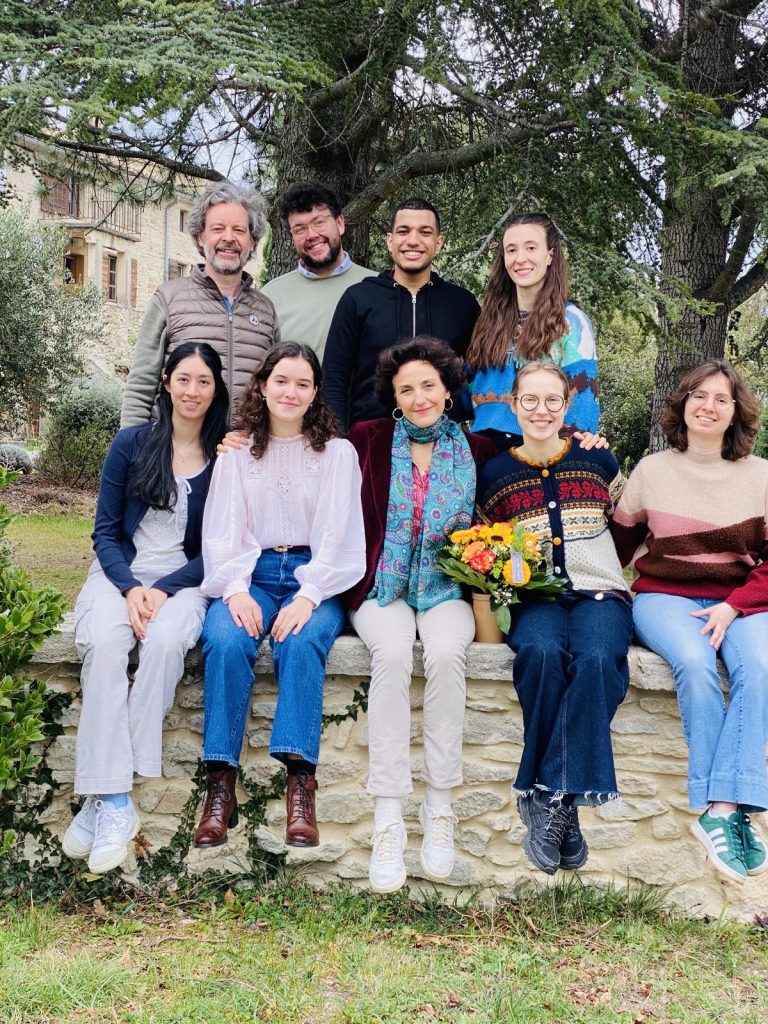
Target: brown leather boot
219	810
301	829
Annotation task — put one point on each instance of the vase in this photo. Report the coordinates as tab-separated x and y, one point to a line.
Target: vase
486	627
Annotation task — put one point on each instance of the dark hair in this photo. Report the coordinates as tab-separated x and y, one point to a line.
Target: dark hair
414	203
227	192
319	423
738	438
541	364
424	348
499	324
153	471
302	196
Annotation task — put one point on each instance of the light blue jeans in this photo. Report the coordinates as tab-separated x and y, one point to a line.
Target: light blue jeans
726	740
299	664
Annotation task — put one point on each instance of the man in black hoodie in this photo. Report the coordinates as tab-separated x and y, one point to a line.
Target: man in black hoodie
400	303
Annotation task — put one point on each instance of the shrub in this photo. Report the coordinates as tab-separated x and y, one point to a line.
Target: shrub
79	433
28	614
13	456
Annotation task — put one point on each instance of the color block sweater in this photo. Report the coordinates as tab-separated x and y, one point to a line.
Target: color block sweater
701	525
566	503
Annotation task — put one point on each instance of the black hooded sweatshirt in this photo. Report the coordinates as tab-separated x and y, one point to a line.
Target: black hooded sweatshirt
373	315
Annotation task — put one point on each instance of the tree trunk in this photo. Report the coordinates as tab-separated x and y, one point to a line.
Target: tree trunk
694	239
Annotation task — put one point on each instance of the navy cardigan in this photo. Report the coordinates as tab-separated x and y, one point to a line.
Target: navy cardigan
119	510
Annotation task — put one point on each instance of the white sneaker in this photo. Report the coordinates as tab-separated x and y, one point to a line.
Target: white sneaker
78	839
437	845
387	870
115	827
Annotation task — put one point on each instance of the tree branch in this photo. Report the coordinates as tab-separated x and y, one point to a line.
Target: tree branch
751	282
139	153
745	236
709	13
323	98
256	134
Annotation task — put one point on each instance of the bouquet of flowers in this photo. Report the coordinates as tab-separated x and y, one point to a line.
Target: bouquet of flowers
499	559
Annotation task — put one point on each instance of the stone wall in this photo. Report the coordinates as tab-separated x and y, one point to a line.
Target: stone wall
644	837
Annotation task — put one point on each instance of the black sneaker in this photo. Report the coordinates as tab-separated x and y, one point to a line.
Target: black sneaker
573	846
546	826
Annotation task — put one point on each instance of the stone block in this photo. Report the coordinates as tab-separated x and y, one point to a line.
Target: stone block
630	809
665	827
635	722
637	785
342	807
470	805
325	853
473	839
608	837
161	797
658	865
483	727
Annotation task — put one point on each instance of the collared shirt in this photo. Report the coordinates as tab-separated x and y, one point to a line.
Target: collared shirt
342	268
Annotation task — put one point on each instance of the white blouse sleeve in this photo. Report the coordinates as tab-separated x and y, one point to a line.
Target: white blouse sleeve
230	549
337	536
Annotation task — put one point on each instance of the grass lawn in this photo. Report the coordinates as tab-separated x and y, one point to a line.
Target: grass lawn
295	956
54	549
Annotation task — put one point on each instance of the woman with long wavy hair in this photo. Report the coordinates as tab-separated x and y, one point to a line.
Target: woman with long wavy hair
282	538
527	315
144	586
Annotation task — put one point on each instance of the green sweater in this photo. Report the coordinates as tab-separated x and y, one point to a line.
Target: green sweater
305	306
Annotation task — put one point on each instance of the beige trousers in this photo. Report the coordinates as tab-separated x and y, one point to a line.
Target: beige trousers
121	723
389	633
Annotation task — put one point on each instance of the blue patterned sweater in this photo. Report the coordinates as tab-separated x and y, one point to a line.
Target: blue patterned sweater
491	389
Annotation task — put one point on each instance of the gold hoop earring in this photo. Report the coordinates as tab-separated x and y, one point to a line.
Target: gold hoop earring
396	410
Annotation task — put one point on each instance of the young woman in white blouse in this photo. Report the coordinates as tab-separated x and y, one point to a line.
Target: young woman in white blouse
282	538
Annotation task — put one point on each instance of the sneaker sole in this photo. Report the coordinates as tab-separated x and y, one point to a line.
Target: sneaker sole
75	850
391	887
116	860
706	842
573	865
758	871
548	867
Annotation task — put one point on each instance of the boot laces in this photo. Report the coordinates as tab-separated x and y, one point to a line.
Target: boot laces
302	806
557	823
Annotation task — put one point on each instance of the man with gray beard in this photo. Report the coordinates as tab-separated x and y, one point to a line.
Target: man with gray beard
217	302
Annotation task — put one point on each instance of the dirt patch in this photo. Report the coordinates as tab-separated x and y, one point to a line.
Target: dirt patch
38	495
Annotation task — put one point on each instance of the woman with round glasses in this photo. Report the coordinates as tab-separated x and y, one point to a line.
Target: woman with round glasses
697	516
527	315
570	670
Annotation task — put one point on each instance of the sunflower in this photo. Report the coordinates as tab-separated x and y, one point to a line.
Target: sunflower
500	534
507	574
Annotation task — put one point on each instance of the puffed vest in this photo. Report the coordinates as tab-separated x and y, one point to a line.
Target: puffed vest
195	311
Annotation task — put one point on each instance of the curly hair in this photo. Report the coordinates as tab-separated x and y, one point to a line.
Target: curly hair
304	196
226	192
497	326
740	435
424	348
319	423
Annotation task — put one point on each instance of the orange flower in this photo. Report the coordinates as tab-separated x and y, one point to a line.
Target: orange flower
482	561
472	549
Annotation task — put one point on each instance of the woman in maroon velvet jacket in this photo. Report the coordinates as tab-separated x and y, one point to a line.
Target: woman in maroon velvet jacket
419	478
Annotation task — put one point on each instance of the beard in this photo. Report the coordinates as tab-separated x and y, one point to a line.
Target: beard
333	254
226	261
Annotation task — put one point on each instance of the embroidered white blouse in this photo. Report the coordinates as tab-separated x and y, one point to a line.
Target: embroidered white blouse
292	495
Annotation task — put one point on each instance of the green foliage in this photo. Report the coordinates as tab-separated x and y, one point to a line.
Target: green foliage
43	324
80	431
27	616
626	368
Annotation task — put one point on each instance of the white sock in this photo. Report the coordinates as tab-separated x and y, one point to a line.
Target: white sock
718	814
387	810
438	798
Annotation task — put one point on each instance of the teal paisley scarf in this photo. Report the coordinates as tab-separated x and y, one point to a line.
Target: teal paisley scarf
410	570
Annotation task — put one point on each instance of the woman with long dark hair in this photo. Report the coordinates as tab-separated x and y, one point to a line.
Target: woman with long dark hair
419	474
283	537
527	315
145	586
695	518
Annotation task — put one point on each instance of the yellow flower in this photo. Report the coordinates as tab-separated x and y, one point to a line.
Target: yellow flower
501	534
507	574
462	536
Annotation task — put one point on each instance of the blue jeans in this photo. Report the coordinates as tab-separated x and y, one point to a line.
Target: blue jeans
229	655
726	742
571	674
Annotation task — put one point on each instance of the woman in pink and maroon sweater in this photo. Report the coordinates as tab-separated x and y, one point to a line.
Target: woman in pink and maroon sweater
699	515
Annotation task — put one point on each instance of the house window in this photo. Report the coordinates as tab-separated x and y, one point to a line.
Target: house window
183	220
74	268
109	277
176	269
61	198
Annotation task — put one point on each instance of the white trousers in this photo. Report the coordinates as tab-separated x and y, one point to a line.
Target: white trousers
446	632
121	723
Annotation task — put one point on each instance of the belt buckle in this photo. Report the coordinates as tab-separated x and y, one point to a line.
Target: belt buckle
282	548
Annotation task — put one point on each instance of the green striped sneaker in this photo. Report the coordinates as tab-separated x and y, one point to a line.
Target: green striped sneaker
722	839
755	853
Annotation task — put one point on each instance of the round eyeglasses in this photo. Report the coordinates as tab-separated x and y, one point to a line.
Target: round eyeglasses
553	403
721	401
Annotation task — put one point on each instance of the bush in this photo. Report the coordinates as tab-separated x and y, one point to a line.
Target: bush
79	433
28	615
14	457
625	372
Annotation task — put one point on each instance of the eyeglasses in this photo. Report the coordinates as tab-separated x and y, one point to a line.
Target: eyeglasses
554	403
721	401
317	225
